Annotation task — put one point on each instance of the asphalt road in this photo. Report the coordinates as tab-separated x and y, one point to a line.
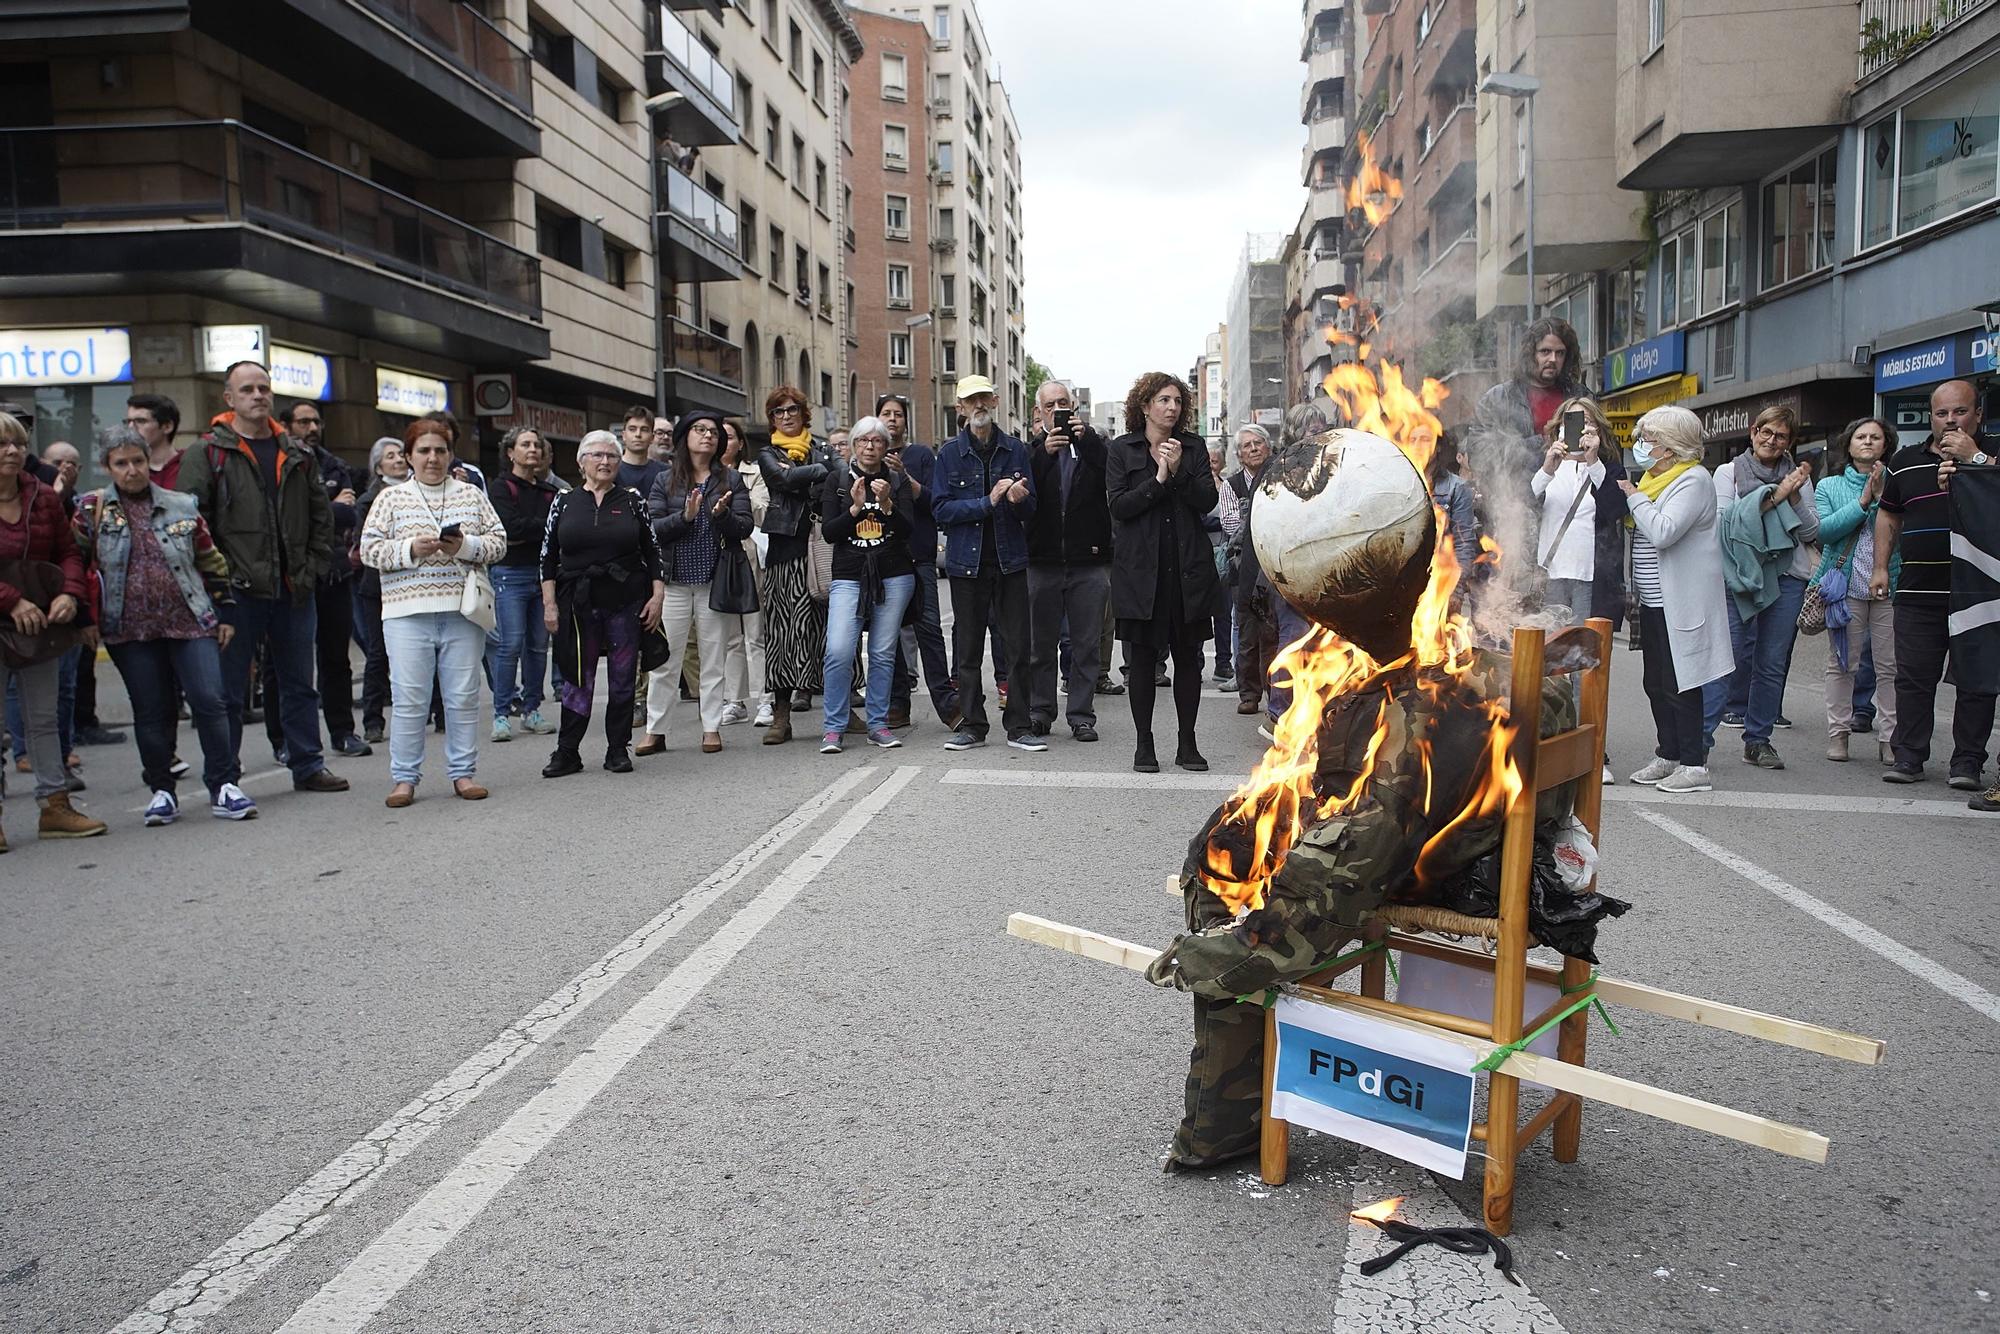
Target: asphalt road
739	1042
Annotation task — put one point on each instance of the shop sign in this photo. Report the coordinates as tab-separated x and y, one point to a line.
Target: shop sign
1640	362
297	374
1920	363
223	345
410	395
1624	410
36	357
549	421
1728	419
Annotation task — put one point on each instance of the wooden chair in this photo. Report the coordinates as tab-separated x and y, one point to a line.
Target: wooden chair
1544	763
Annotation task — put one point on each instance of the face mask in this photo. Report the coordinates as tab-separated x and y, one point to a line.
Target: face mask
1642	453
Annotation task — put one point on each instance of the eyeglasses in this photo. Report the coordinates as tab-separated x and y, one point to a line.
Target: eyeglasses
598	455
1771	433
786	409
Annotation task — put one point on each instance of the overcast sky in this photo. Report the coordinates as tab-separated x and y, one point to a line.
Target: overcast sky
1155	133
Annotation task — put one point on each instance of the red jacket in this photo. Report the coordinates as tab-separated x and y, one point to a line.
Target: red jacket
45	536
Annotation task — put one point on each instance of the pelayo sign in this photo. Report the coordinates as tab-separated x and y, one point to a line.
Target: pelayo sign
1640	362
1405	1093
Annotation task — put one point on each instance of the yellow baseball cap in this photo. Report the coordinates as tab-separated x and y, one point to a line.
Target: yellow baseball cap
974	384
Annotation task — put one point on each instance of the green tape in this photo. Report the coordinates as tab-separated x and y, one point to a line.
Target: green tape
1498	1056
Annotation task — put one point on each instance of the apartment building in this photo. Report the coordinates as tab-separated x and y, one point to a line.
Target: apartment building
1415	110
896	334
1317	274
973	174
183	189
1254	343
1210	376
779	188
1825	247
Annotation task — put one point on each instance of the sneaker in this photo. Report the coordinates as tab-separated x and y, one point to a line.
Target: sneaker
99	736
1609	780
354	747
1686	779
1225	685
829	744
162	809
1107	686
1027	741
1899	774
179	768
617	760
884	738
374	734
232	803
1781	721
532	721
563	763
1964	782
1083	732
1223	673
502	730
734	713
963	741
1656	770
1734	720
1988	800
763	718
1763	755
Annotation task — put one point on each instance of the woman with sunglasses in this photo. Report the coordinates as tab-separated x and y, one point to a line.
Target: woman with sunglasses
794	466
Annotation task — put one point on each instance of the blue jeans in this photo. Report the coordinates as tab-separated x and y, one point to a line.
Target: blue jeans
150	668
519	644
292	628
17	726
843	636
1291	625
444	645
1763	649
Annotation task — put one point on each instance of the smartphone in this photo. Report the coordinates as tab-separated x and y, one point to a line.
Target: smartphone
1062	419
1573	431
450	530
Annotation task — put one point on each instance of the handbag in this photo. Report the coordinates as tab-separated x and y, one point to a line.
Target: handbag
1812	611
819	563
733	589
476	602
41	583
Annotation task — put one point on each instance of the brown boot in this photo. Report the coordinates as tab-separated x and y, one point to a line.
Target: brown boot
780	730
61	820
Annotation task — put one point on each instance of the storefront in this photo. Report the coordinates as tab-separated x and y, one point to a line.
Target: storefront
1823	408
1644	376
70	384
1905	376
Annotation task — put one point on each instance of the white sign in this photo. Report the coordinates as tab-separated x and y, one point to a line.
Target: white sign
1345	1074
296	374
223	345
409	395
549	421
36	357
1268	416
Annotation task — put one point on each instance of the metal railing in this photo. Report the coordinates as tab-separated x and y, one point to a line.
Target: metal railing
76	177
1892	29
467	40
693	348
697	207
685	50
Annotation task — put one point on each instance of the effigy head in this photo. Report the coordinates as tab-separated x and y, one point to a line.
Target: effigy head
1343	528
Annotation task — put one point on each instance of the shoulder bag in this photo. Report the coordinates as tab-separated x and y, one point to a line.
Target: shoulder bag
1829	586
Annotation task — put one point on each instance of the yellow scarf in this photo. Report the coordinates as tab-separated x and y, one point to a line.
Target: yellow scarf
1654	485
796	447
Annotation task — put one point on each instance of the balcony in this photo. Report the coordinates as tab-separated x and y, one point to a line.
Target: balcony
697	230
1323	275
705	112
215	208
1447	47
1325	69
715	9
1894	29
436	72
1326	135
702	370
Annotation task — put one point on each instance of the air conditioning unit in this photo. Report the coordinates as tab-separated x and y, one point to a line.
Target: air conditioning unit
899	303
941	106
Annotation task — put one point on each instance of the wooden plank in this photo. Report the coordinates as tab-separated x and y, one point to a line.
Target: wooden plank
1074	940
1736	1019
1569	755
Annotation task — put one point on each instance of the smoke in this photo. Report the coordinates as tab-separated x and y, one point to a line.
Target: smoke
1500	462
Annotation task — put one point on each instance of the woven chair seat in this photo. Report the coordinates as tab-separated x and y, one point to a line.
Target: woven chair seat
1443	921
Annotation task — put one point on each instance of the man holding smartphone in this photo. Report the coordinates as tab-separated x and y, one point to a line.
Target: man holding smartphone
1069	562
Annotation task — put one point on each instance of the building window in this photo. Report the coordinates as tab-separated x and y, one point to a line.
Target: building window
771	20
825	290
819	80
941	92
947	228
617	263
895	79
1721	258
941	24
746	227
1722	365
775	252
802	273
1656	25
848	313
951	356
795	57
552	50
610	97
1932	159
896	147
1426	19
944	158
1798	218
819	183
773	137
948	292
1576	306
899	354
899	286
825	390
799	164
558	236
896	216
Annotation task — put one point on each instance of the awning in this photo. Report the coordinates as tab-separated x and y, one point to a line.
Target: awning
1624	409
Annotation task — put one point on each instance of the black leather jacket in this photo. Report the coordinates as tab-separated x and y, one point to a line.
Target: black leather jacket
794	487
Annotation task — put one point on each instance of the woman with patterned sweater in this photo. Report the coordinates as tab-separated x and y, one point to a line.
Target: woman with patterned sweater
431	540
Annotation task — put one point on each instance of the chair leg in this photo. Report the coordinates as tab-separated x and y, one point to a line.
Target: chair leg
1570	1048
1375	968
1503	1128
1274	1136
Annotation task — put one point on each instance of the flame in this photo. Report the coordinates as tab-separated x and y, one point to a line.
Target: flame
1379	1212
1372	190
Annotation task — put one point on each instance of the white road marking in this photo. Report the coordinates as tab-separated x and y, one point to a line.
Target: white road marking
1623	795
1430	1290
1917	965
233	1267
373	1278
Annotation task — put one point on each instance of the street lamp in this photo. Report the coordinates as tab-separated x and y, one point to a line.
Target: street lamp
927	321
1523	86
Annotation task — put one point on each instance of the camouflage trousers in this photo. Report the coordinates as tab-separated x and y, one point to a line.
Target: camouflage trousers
1225	1085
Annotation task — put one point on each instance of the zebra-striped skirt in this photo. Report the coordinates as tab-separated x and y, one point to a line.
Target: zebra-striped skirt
794	630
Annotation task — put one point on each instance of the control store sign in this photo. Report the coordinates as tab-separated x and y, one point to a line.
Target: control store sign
36	357
410	395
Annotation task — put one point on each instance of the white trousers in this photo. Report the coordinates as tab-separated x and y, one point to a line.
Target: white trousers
685	617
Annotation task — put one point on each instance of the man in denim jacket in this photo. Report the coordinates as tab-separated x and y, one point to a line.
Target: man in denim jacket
982	495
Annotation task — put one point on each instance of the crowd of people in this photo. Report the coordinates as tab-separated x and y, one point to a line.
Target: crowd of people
233	580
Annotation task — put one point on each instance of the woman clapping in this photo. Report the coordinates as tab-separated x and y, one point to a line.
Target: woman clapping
865	513
431	540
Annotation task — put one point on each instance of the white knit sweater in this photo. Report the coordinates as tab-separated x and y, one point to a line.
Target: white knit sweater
402	513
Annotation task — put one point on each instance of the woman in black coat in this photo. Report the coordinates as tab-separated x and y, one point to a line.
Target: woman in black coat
1163	581
794	466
